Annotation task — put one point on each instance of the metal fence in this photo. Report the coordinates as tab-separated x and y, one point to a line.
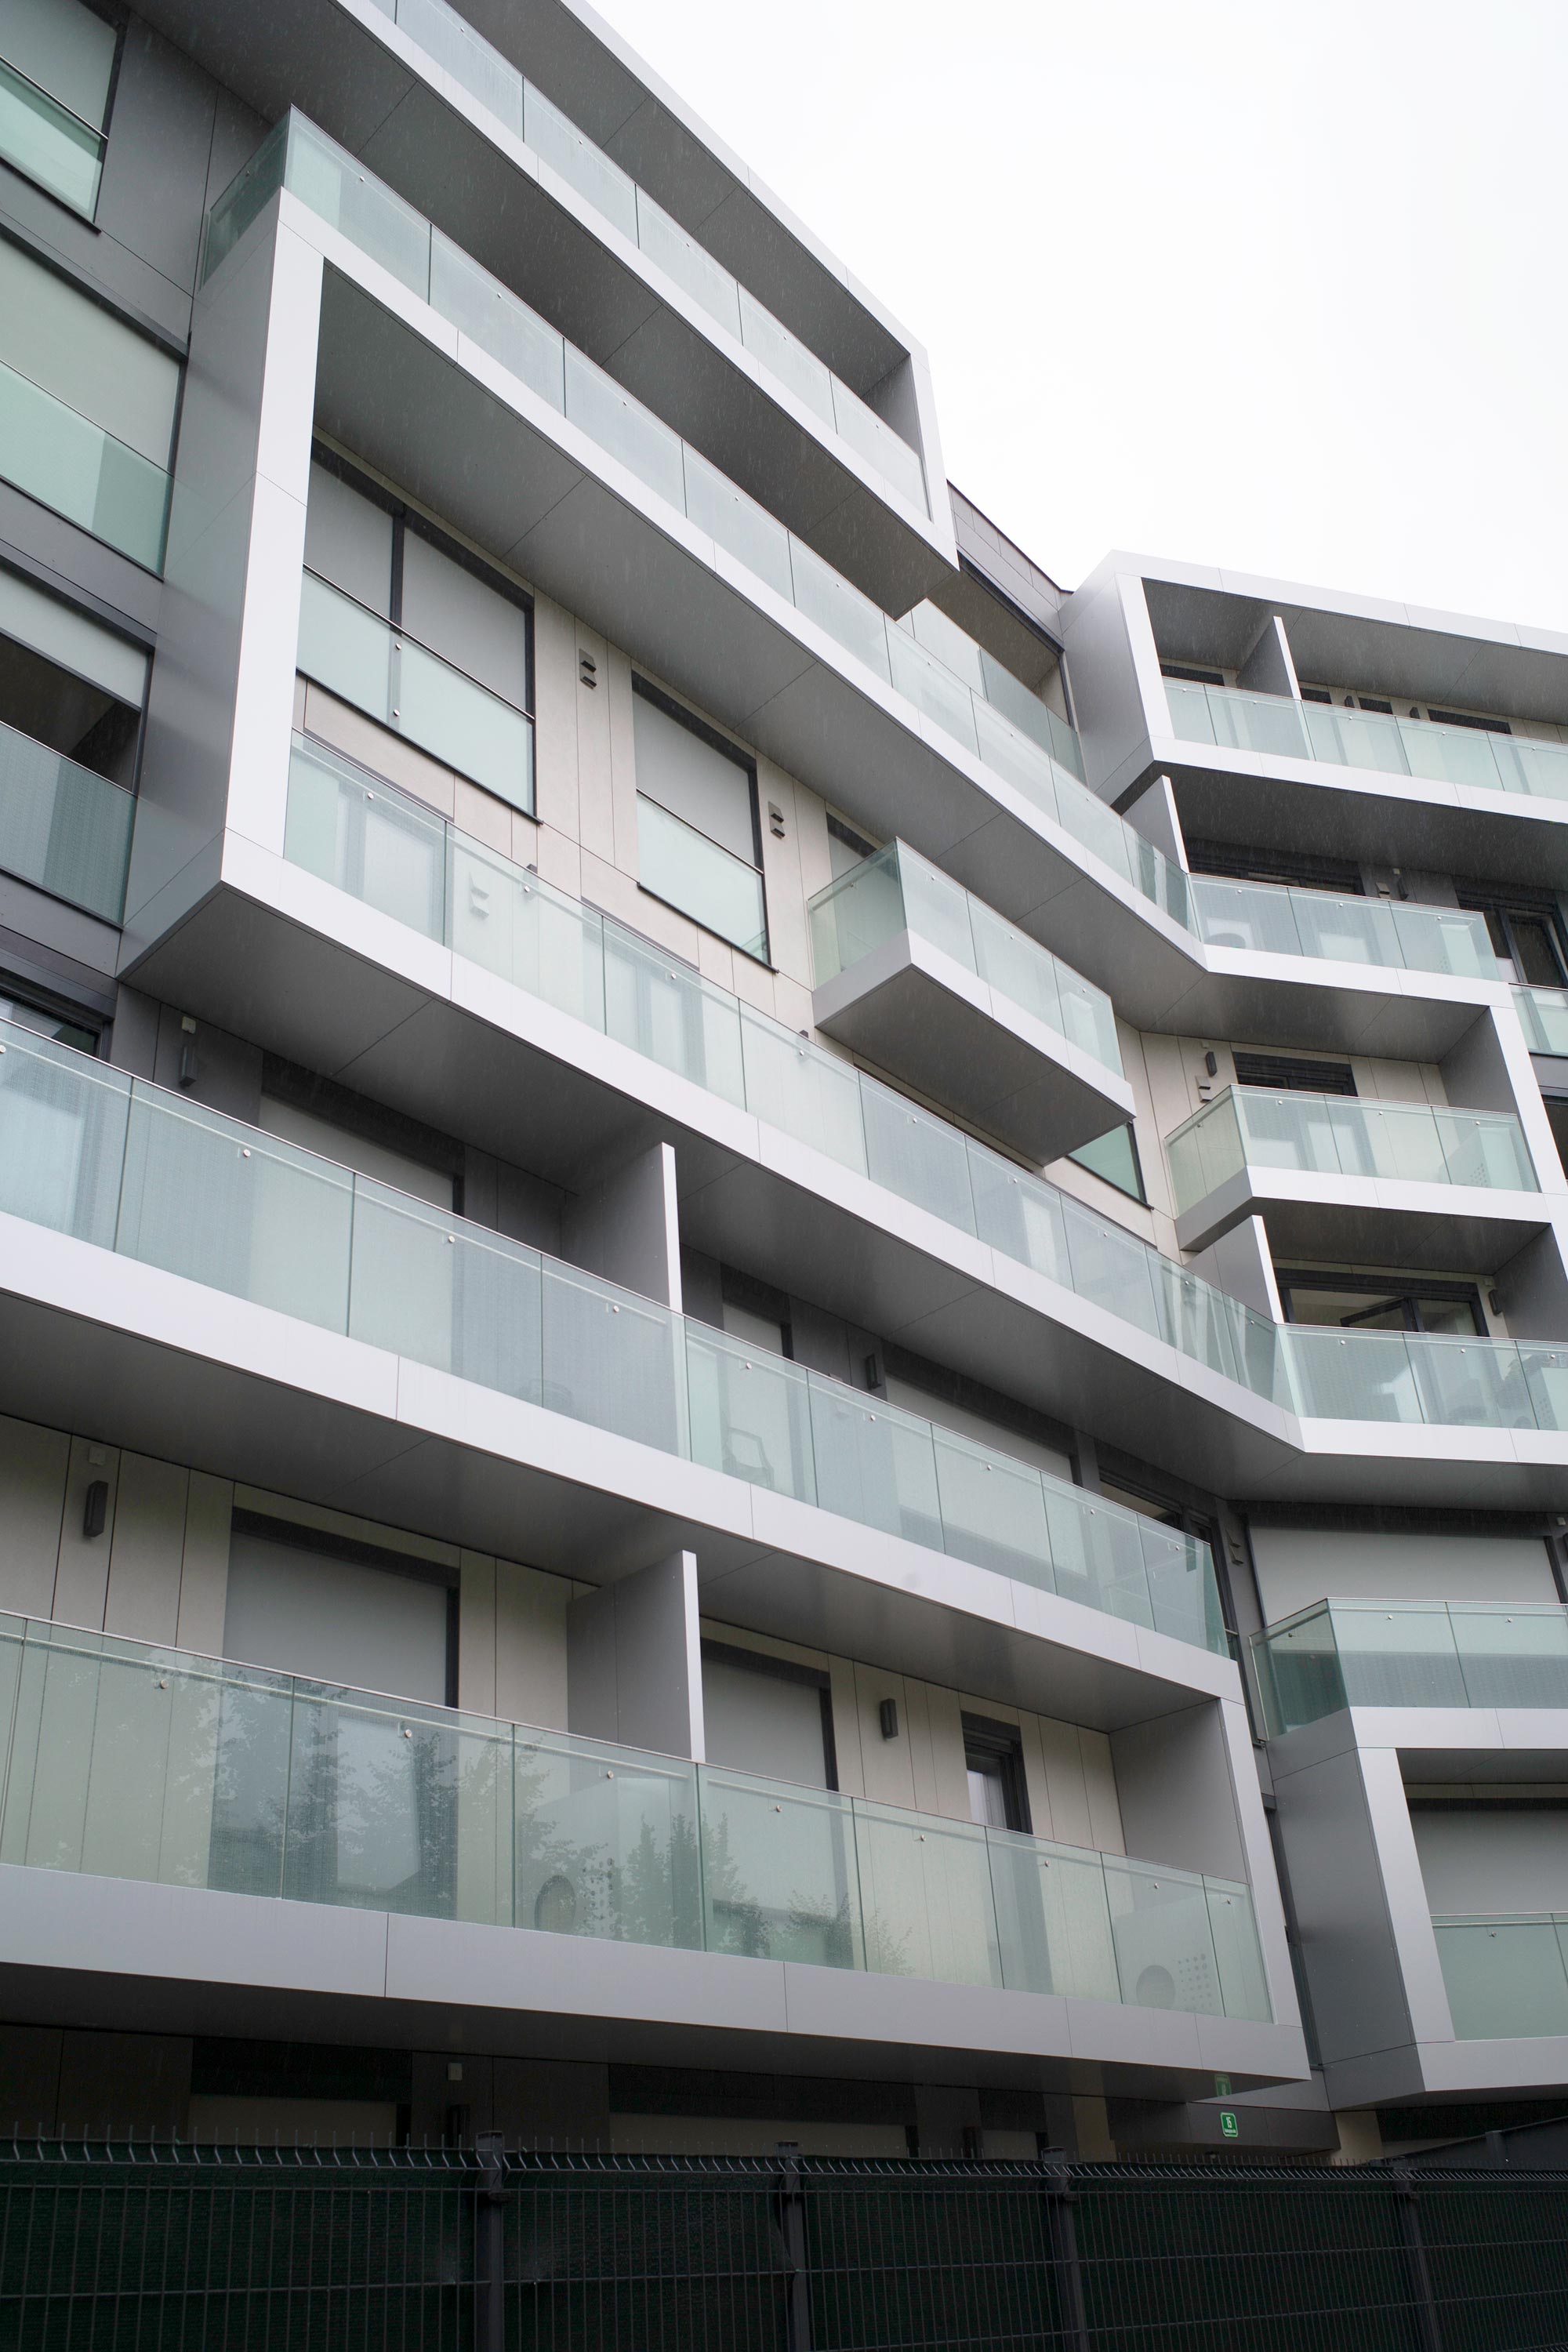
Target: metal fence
176	2249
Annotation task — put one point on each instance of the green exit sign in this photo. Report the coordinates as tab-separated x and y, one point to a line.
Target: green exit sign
1229	2128
1222	2086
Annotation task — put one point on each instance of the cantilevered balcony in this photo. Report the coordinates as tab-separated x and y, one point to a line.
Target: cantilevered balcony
132	1169
63	827
1399	1183
360	836
1269	920
1410	1653
928	982
132	1762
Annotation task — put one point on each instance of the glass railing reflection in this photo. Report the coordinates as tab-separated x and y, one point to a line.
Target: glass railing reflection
1343	1654
89	1151
48	143
359	834
67	462
1332	732
134	1762
1543	1015
63	827
1332	1135
898	890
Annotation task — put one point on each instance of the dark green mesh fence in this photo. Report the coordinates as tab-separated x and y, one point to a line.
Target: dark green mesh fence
181	2250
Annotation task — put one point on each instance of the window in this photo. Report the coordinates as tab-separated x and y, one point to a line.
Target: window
408	628
1356	1302
338	1611
767	1715
699	846
26	1012
377	1160
1190	677
756	1314
1293	1074
846	847
87	409
1114	1159
57	73
1527	934
71	726
1237	862
994	1763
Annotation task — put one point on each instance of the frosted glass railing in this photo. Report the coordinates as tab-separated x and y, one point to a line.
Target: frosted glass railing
361	836
1424	748
529	115
48	143
1544	1014
63	827
1268	921
65	461
126	1166
1343	1654
1039	759
1507	1976
1332	1135
404	687
134	1763
898	890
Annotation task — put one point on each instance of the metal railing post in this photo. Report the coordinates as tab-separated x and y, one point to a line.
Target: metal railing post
1061	2198
490	2245
789	2207
1428	2329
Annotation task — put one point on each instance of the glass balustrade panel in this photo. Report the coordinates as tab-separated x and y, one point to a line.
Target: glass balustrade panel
1397	1657
1489	1152
1110	1268
62	826
1348	930
873	1464
786	357
558	142
1538	767
1299	1672
515	926
1019	1215
1545	1372
810	1096
367	839
1255	722
1196	1319
1300	1132
920	1158
1028	976
624	428
65	461
1053	1918
446	1294
925	1897
459	50
1238	1955
46	143
358	204
780	1877
1432	939
1183	1599
937	907
664	1010
992	1510
1096	1555
856	914
693	269
1206	1154
1241	915
751	1415
1354	739
738	524
242	1212
1470	1384
1505	1978
852	620
63	1138
1018	761
1366	1376
1451	755
606	1843
1192	720
613	1360
479	307
1512	1657
884	452
1165	1942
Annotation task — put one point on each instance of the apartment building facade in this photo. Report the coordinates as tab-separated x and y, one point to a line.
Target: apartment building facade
783	1334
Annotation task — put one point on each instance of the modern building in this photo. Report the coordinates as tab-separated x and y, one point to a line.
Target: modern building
784	1323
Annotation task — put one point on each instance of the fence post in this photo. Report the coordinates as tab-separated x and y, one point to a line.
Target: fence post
789	2207
1061	2200
1428	2332
490	2245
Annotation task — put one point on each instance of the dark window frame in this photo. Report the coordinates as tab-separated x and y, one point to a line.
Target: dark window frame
681	715
1398	1290
1000	1744
296	1535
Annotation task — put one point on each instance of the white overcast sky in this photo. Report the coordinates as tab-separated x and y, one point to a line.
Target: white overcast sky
1280	286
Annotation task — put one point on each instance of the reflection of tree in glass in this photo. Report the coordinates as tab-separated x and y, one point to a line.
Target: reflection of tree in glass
804	1928
584	1885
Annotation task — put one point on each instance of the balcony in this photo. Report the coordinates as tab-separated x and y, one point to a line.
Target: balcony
1471	758
1506	1977
1543	1017
48	143
54	454
130	1167
1265	919
924	978
1400	1654
63	827
132	1762
1395	1169
360	836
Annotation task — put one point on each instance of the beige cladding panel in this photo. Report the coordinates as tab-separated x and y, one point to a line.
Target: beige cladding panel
886	1766
595	800
142	1602
531	1646
477	1635
556	691
82	1576
32	1463
203	1566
